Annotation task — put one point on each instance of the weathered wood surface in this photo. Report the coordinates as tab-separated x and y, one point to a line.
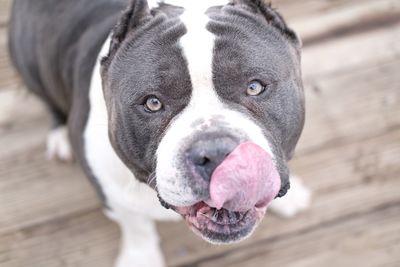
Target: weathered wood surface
369	240
5	6
349	155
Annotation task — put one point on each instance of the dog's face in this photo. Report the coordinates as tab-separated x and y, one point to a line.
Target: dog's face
206	105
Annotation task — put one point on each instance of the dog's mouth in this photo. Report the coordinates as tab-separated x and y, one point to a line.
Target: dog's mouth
239	191
221	225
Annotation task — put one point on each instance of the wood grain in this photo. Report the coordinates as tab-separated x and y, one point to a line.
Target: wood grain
339	22
85	239
5	6
346	107
9	78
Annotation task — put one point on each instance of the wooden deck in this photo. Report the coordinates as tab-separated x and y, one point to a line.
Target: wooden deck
349	155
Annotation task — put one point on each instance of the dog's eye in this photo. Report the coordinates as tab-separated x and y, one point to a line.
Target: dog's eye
255	88
153	104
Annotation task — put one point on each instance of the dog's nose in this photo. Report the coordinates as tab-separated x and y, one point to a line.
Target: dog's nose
205	155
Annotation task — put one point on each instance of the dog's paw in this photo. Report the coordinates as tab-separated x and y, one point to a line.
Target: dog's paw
58	145
296	200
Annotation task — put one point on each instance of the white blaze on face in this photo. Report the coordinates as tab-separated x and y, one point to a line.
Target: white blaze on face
200	5
197	45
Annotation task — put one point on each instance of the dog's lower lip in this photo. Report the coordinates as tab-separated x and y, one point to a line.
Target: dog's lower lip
222	216
220	226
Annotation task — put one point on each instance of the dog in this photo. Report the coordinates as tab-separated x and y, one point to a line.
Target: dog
174	109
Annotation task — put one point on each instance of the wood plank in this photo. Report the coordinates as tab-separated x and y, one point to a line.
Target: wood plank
14	118
345	55
86	239
5	6
8	77
374	236
52	190
342	108
352	19
295	10
344	182
23	123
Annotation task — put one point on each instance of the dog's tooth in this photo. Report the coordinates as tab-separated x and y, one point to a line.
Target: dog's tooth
208	213
221	216
218	216
226	218
214	216
232	217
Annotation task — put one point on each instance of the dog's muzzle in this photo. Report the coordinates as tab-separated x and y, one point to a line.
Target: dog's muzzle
236	182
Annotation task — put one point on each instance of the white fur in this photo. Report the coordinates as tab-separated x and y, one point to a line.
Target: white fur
58	145
154	3
197	46
296	200
199	6
139	242
132	203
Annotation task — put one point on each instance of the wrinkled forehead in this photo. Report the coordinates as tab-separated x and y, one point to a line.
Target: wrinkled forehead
174	44
194	37
215	27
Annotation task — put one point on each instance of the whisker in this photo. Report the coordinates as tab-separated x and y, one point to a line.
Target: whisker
152	178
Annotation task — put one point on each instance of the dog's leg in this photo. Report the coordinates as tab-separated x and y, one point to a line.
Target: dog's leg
58	145
139	241
295	201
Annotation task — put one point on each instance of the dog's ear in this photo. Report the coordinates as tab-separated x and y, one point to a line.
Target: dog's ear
272	16
136	14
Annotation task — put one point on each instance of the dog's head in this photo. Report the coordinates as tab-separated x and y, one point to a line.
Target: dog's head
205	103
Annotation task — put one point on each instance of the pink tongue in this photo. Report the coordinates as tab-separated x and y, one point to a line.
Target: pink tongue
246	178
